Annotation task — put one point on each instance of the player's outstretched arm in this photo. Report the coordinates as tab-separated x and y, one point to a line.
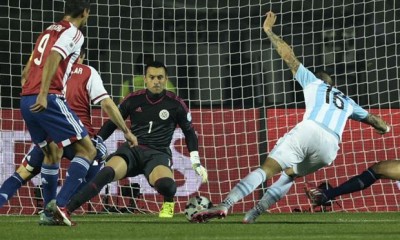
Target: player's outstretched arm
376	122
112	111
283	49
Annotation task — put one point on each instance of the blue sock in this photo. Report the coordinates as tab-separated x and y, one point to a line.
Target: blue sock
49	176
75	176
354	184
93	170
246	186
9	187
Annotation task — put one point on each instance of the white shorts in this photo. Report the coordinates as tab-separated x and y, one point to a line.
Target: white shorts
307	148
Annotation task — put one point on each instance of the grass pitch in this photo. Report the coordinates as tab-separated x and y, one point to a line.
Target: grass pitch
295	226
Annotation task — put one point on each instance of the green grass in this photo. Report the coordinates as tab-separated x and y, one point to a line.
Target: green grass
296	226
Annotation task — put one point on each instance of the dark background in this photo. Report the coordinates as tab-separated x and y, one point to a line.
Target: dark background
216	52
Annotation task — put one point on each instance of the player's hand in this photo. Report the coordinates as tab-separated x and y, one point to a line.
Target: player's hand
40	105
131	139
269	21
197	167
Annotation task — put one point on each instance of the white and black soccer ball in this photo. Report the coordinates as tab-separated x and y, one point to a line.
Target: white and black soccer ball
195	205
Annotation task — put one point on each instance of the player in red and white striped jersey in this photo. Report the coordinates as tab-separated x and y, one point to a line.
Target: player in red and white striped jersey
43	106
44	109
83	87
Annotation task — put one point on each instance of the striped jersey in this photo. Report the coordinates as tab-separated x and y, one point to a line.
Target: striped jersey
83	87
327	105
62	37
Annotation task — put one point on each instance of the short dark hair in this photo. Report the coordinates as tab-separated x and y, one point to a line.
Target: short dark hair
141	60
74	8
324	76
156	64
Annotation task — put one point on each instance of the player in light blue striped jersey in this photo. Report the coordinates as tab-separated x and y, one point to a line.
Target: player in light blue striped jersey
310	145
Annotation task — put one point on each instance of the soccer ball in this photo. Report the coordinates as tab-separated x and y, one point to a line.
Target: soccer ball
195	205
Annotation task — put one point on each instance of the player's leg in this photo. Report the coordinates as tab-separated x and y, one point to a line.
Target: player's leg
163	181
157	170
78	168
382	170
51	156
273	194
287	152
115	169
389	169
248	184
29	168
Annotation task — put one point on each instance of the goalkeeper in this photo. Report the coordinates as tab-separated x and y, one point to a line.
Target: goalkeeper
310	145
154	113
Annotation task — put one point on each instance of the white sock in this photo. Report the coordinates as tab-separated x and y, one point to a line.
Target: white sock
275	192
246	186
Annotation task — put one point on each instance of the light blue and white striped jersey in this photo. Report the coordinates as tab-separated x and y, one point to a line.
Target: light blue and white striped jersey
325	104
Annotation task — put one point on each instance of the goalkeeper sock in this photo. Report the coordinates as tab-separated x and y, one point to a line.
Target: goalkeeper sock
276	191
357	183
246	186
9	187
91	189
75	176
167	187
49	178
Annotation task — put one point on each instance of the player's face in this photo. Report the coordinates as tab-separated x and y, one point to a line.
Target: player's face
155	79
85	17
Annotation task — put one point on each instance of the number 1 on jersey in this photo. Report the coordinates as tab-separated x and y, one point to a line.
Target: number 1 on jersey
150	126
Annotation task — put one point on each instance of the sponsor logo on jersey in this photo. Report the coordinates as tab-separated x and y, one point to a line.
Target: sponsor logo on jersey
164	114
139	109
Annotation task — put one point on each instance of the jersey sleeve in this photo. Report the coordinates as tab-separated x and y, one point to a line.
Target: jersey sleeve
70	41
95	87
185	123
304	76
359	113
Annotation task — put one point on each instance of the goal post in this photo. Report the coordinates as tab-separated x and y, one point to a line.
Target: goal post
242	96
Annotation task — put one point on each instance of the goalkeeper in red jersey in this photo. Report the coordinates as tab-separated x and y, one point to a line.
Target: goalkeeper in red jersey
389	169
154	114
83	87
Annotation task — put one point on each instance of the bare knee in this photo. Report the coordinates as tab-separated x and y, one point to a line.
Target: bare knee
271	167
24	173
160	172
290	172
84	148
119	165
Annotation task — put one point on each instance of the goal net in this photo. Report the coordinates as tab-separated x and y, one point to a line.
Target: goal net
242	96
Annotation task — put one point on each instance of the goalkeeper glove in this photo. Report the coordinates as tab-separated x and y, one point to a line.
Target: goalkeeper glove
200	170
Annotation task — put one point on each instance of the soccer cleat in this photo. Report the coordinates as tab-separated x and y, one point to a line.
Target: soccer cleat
251	216
46	219
60	214
316	195
167	210
205	215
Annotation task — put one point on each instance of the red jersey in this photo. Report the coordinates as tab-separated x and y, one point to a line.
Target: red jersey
84	86
64	38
